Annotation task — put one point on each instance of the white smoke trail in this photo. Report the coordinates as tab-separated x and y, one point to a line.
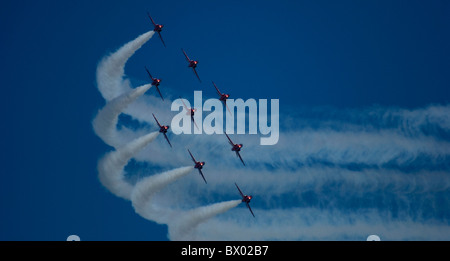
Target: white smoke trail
110	71
146	188
181	223
106	120
381	148
111	166
119	96
384	140
182	228
319	224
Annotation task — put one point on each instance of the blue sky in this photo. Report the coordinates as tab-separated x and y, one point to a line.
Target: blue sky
376	71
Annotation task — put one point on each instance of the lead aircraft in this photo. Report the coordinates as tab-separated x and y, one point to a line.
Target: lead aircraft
157	28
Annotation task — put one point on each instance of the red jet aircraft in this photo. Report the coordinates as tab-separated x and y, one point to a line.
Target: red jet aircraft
246	199
190	111
192	64
155	82
223	97
236	148
163	129
198	165
157	28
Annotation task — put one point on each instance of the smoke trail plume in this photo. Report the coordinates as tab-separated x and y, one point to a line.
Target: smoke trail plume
182	228
376	170
147	187
110	71
110	167
106	120
181	224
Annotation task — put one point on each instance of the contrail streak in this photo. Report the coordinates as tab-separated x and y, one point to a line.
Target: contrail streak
181	224
106	120
119	95
144	190
182	228
110	167
348	173
110	71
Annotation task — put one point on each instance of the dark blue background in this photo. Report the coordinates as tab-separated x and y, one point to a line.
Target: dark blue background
344	54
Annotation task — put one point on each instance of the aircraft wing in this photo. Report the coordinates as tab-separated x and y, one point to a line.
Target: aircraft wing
201	173
229	140
153	22
192	156
195	71
249	208
225	102
156	120
239	155
165	136
187	58
149	74
161	39
217	89
184	104
242	194
192	117
159	92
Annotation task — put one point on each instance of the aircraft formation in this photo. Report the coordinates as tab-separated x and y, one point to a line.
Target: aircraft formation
191	111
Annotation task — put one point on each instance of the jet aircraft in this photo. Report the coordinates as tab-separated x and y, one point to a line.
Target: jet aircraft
246	199
198	165
157	28
236	148
155	82
192	64
163	129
